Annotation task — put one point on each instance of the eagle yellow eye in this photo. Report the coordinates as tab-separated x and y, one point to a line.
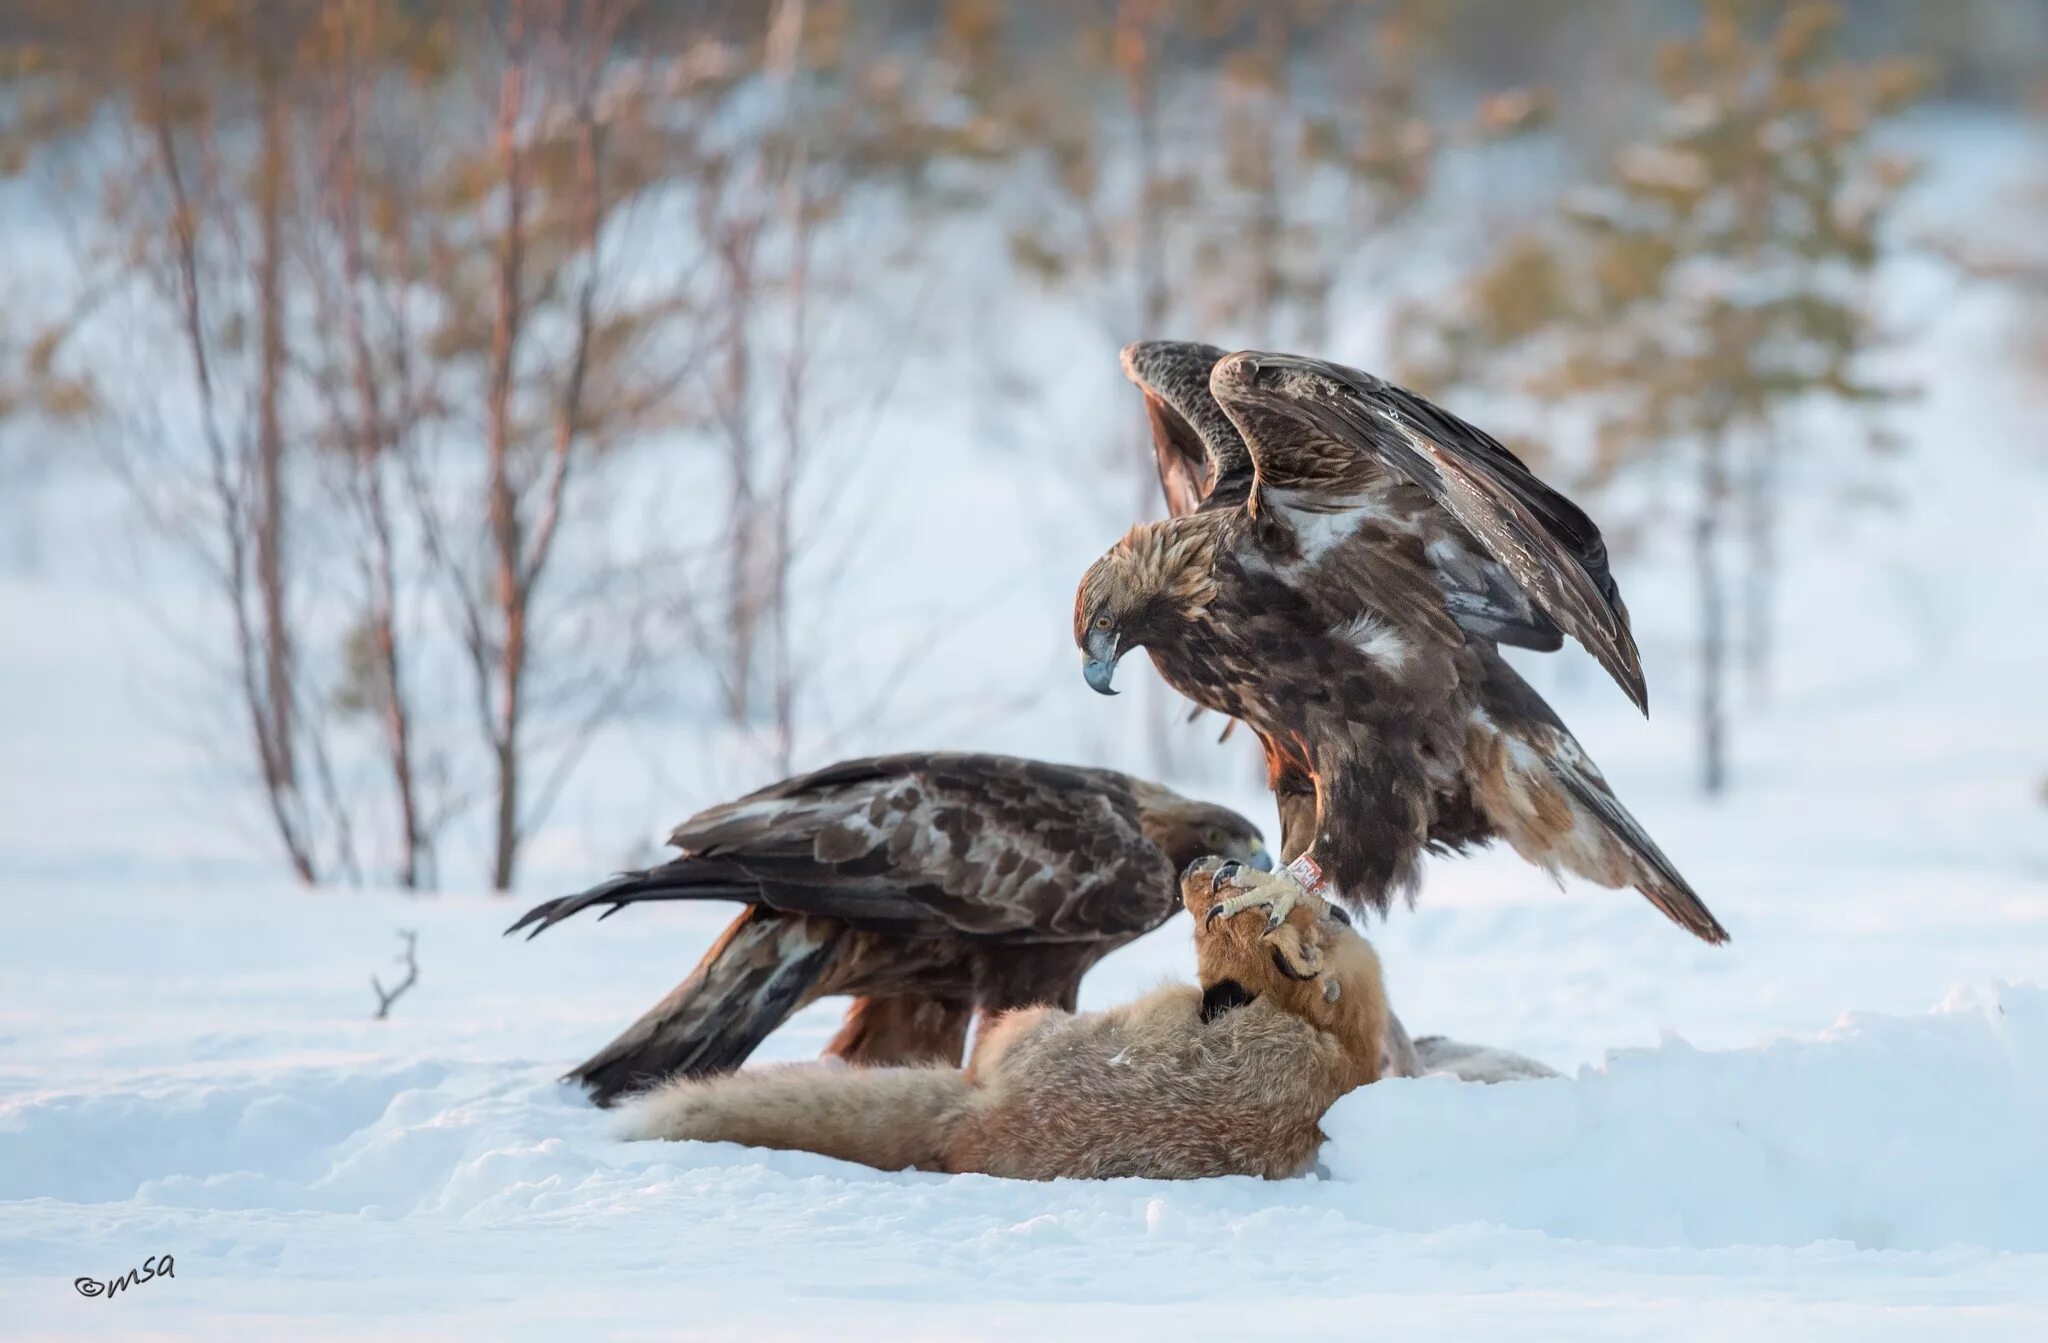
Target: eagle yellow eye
1102	622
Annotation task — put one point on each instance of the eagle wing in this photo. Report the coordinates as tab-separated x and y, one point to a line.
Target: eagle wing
927	845
1203	462
1326	442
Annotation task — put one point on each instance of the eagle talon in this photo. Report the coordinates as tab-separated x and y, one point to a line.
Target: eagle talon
1277	903
1225	874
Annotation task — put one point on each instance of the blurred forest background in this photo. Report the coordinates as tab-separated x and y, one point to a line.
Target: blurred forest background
491	381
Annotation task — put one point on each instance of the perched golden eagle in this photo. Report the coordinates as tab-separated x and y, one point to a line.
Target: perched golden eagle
927	886
1343	561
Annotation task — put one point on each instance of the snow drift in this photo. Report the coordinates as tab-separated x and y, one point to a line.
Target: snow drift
1886	1132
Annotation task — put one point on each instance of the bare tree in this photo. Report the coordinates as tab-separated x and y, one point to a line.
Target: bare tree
488	352
396	243
799	124
536	268
187	193
375	411
212	221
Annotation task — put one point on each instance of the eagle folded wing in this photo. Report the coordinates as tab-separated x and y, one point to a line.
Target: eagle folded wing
1548	547
925	846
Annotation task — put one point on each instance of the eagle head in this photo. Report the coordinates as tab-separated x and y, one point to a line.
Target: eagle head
1187	831
1159	576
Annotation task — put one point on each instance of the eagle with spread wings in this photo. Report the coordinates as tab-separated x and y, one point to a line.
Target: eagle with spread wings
927	886
1342	563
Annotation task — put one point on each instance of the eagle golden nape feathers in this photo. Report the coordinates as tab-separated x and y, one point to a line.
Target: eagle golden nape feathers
1158	571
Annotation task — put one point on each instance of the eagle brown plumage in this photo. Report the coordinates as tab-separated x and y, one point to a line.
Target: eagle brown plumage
928	886
1343	562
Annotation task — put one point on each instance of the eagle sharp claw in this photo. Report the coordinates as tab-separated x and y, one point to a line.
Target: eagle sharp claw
1277	904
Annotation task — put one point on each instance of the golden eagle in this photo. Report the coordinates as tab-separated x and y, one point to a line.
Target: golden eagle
1343	562
928	886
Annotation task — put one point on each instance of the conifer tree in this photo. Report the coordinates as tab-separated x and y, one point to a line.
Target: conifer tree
1714	283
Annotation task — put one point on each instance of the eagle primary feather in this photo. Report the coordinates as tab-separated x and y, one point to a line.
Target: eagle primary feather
1201	458
1342	587
1366	428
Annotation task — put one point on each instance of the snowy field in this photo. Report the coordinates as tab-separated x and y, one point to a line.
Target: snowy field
1834	1128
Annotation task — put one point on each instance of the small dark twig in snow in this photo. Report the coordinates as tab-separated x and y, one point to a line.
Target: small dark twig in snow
411	963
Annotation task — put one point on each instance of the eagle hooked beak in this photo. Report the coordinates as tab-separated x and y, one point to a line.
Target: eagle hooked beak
1100	651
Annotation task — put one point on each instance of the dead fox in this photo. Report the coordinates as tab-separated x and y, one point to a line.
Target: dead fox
1230	1078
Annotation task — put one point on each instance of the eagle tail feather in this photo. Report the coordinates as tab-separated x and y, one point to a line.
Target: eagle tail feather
1655	875
761	969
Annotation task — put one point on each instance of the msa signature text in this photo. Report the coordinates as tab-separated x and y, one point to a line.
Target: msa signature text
156	1266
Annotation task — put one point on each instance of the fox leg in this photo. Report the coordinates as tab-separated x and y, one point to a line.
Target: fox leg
1277	893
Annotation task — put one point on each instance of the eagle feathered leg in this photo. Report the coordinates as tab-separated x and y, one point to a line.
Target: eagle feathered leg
1277	893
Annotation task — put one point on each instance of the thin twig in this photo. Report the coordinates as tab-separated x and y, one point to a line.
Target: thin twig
410	961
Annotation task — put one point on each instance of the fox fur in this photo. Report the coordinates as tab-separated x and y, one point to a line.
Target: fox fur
1229	1078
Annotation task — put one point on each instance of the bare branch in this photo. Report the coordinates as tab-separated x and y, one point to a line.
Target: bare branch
410	960
569	409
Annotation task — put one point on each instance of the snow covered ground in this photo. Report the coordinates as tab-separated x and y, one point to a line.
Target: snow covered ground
193	1072
1834	1128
